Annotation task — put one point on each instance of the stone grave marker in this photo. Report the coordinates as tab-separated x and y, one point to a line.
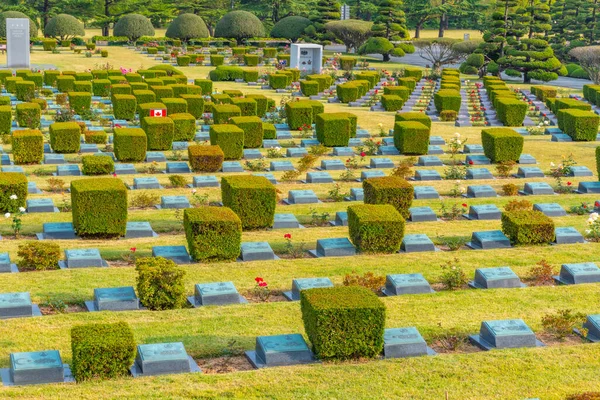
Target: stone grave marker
550	209
341	219
88	148
526	159
427	175
588	187
179	146
356	194
125	169
301	284
281	166
416	243
252	154
82	258
309	142
404	342
333	247
437	141
40	205
5	264
257	251
17	42
17	305
146	183
592	324
54	159
477	160
173	202
552	131
286	221
343	152
270	143
561	137
231	166
32	188
332	165
473	149
5	159
529	172
381	163
573	274
284	135
479	191
34	368
16	168
355	142
215	294
178	254
425	193
68	170
479	173
57	230
580	171
504	334
114	299
203	181
429	161
318	177
434	150
568	235
162	358
177	168
374	173
270	177
155	156
537	188
487	240
301	197
280	350
484	211
136	229
494	278
400	284
388	151
296	152
422	214
363	134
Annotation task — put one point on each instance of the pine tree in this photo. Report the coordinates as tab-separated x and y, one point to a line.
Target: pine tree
391	21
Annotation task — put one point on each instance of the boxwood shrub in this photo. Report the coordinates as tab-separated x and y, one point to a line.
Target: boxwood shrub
97	137
82	86
375	228
144	96
101	87
195	104
213	233
102	351
247	106
408	82
184	127
205	158
29	115
253	131
391	102
279	81
99	207
50	77
220	98
223	112
298	113
179	89
65	83
592	93
447	99
216	60
309	88
261	103
269	131
12	183
162	92
544	92
160	283
205	84
28	146
347	92
229	138
65	137
159	132
175	105
124	106
81	101
580	125
144	109
97	165
501	144
343	322
563	103
25	90
389	190
411	137
401	91
324	81
130	144
319	108
511	111
252	198
410	72
38	256
333	129
120	88
528	227
5	119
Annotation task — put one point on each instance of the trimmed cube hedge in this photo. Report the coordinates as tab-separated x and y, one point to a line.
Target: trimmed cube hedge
97	165
179	89
216	60
184	126
319	108
25	90
411	137
124	106
333	129
144	96
279	81
252	198
391	102
159	132
29	115
102	351
501	144
82	86
298	113
101	87
97	137
389	190
375	228
592	93
544	92
416	73
99	207
347	92
343	322
229	138
324	81
205	84
50	77
28	146
309	88
269	131
130	144
65	83
414	116
213	233
261	103
247	106
5	119
580	125
528	227
195	104
36	77
253	131
220	98
144	109
10	83
80	101
12	183
65	137
162	92
408	82
223	112
563	103
121	88
401	91
205	158
447	99
511	111
175	105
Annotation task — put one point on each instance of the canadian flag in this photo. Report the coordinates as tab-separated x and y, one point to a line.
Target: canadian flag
158	113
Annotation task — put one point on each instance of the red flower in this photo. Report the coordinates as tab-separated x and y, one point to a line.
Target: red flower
569	183
287	236
464	205
262	284
376	91
471	162
597	203
258	279
378	143
362	154
114	174
133	249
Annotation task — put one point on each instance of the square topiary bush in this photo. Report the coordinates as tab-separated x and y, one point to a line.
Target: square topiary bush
213	233
298	113
144	109
205	84
511	111
501	144
5	119
80	101
124	106
28	146
223	112
175	105
233	93
130	144
269	131
220	98
162	92
65	137
391	102
309	88
29	115
97	165
580	125
252	198
447	99
50	77
25	90
102	351
82	87
323	80
253	131
261	103
184	127
343	322
563	103
10	83
411	137
99	207
159	132
65	83
229	138
375	228
12	183
120	88
279	81
401	91
347	92
160	283
205	158
333	129
144	96
528	227
179	89
101	87
248	107
97	137
408	82
195	104
416	73
389	190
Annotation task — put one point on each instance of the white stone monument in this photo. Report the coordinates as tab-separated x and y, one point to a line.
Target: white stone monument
307	57
17	42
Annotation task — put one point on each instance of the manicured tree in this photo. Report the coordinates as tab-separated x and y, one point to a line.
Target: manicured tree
380	45
589	59
573	25
240	25
133	26
291	28
33	28
390	21
352	32
325	11
186	27
64	26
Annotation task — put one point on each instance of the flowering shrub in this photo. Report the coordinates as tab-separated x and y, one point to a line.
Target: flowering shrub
593	231
292	250
542	273
453	277
261	289
454	212
561	324
16	212
368	280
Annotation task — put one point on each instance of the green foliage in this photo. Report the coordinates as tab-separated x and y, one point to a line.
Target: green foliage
247	106
5	119
160	283
159	132
411	137
183	61
102	351
309	88
511	111
544	92
299	113
174	105
184	127
130	144
120	88
162	92
501	144
186	27
28	115
33	28
447	99
101	87
240	25
223	112
353	33
279	81
99	207
375	228
124	106
27	146
380	45
528	227
133	26
251	60
333	129
253	130
65	137
213	233
195	104
261	103
269	131
291	27
252	198
325	81
216	60
579	124
414	116
80	101
389	190
343	322
38	256
205	158
64	26
229	138
12	183
10	83
250	75
144	96
97	165
347	92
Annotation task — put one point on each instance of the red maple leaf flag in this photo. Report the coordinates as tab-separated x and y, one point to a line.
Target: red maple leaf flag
158	113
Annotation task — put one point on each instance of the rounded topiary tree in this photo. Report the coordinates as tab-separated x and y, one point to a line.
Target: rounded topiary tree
380	45
63	27
239	25
290	28
186	27
133	26
16	14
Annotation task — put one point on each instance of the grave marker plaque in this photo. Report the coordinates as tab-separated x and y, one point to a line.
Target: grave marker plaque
479	191
404	342
285	221
416	243
568	235
281	166
537	188
257	251
173	202
231	166
494	278
484	212
301	284
504	334
217	293
489	240
146	183
550	209
37	367
15	305
592	324
81	258
137	229
162	358
40	206
302	197
280	350
425	192
57	230
399	284
203	181
178	254
427	175
319	177
573	274
334	247
422	214
332	165
381	163
114	299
